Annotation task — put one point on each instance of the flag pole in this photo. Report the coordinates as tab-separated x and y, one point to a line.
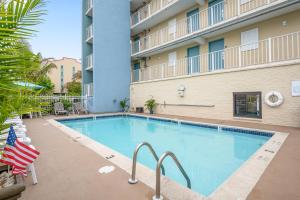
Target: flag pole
8	171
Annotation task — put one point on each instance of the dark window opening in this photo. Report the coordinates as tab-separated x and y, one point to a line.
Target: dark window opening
247	104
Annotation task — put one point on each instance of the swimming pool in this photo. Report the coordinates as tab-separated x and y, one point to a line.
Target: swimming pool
209	155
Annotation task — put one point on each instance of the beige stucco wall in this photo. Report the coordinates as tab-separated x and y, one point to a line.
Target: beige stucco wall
217	90
266	29
160	31
55	74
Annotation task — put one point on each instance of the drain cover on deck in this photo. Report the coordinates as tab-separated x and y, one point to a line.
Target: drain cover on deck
106	169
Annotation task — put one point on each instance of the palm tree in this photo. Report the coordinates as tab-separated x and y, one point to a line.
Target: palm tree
41	77
77	76
45	67
17	61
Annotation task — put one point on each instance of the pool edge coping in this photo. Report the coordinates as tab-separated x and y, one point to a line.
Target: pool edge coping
237	186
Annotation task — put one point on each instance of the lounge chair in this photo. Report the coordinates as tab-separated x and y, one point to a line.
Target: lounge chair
59	109
78	108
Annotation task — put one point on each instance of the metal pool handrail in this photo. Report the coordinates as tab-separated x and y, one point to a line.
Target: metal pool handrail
132	180
157	195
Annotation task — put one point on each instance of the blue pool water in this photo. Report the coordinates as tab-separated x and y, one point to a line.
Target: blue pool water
209	156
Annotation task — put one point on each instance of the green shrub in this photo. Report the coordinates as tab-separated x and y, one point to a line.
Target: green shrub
150	105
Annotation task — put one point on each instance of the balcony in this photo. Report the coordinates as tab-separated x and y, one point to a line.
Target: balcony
89	62
89	8
89	34
199	24
88	89
279	50
157	11
148	10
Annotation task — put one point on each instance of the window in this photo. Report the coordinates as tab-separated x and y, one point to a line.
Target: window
61	70
172	59
88	89
247	104
249	40
172	28
215	11
136	71
73	72
193	20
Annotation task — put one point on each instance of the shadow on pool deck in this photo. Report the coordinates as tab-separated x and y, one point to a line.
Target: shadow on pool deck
67	170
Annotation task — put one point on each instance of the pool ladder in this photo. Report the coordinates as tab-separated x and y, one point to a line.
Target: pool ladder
159	165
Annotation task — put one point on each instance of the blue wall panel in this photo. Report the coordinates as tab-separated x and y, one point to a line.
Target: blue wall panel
111	50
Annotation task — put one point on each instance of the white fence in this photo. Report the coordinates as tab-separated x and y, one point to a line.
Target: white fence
205	18
47	102
271	50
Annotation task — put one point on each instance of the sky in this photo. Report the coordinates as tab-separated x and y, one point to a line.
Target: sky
60	33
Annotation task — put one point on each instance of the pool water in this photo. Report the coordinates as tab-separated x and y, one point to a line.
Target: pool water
208	156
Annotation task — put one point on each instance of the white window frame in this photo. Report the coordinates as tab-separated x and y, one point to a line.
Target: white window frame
172	26
296	88
249	39
172	57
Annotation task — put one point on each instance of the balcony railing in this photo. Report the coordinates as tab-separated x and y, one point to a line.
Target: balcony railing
89	32
88	89
89	6
206	18
89	62
148	10
272	50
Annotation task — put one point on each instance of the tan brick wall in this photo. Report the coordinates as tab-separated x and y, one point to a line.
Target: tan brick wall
217	90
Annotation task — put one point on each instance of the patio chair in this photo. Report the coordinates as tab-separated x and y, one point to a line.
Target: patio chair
59	109
78	108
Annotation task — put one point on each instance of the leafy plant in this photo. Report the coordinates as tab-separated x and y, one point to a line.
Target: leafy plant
17	62
40	76
74	88
47	85
67	104
77	76
150	105
124	104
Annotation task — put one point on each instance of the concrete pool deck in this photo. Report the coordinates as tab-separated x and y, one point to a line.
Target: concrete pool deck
67	170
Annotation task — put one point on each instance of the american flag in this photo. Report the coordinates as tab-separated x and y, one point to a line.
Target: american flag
17	154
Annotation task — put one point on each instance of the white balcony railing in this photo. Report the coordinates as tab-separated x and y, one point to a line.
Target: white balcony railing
206	18
89	62
272	50
148	10
89	32
88	89
89	5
